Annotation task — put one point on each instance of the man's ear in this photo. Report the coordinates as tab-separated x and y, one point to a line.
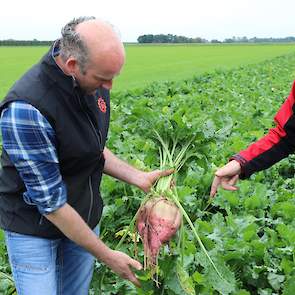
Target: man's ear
71	65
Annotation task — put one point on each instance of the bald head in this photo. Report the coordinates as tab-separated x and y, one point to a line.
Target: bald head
100	35
103	44
90	50
86	38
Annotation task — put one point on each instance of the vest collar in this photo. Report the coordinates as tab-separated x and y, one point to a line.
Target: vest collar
49	66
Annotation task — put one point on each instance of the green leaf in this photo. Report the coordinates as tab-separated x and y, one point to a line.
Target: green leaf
287	265
243	292
185	280
275	280
172	283
226	284
198	277
146	282
176	278
289	286
250	232
285	209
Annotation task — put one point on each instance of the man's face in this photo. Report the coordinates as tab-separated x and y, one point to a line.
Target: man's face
99	73
92	79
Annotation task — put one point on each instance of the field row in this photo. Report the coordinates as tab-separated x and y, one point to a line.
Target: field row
145	64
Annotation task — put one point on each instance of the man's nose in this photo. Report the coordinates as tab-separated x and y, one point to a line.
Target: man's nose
108	84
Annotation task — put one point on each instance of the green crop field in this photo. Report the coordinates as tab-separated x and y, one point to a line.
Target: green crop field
219	98
147	63
175	62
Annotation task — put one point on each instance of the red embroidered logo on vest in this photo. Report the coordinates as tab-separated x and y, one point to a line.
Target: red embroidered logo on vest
102	105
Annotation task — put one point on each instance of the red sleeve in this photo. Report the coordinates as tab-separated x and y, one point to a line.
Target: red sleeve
276	145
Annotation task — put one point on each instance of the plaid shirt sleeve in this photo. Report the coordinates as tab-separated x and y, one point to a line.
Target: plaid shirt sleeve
30	143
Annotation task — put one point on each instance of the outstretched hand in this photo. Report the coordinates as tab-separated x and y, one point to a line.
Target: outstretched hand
148	179
226	177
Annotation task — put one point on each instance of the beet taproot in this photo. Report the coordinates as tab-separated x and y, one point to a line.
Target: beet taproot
157	222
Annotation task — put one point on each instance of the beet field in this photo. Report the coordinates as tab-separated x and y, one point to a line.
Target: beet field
239	243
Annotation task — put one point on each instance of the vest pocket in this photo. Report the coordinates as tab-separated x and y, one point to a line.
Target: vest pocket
95	203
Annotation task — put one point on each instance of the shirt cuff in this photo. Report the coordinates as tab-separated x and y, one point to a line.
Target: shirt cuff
49	203
242	161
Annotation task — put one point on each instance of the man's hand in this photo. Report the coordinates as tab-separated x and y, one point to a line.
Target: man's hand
74	227
129	174
120	263
147	179
226	177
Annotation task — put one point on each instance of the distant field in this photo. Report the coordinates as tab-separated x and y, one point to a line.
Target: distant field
147	63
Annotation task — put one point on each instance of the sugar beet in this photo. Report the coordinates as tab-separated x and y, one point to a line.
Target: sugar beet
157	221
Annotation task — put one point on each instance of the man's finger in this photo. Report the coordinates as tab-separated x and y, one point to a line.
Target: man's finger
132	278
167	172
135	264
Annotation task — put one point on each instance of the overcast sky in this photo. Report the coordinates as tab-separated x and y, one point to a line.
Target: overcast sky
210	19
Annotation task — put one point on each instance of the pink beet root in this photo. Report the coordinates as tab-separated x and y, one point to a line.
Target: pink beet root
157	222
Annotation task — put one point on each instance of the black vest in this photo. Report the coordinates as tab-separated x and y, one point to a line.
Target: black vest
81	123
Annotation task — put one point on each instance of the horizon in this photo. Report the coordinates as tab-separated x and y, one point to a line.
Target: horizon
209	40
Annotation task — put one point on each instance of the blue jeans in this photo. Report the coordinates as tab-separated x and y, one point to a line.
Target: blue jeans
48	267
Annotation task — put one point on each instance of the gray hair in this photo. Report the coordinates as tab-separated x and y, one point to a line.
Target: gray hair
71	43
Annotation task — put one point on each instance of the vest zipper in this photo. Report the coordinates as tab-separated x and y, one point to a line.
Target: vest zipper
99	139
41	220
91	200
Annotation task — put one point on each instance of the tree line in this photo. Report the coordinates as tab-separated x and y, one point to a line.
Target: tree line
169	38
162	38
34	42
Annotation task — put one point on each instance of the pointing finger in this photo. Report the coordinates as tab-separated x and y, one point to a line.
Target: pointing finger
214	186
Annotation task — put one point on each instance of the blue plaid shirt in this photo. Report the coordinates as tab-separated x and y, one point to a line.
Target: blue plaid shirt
30	143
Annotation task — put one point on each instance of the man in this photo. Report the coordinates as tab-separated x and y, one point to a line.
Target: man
54	126
276	145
